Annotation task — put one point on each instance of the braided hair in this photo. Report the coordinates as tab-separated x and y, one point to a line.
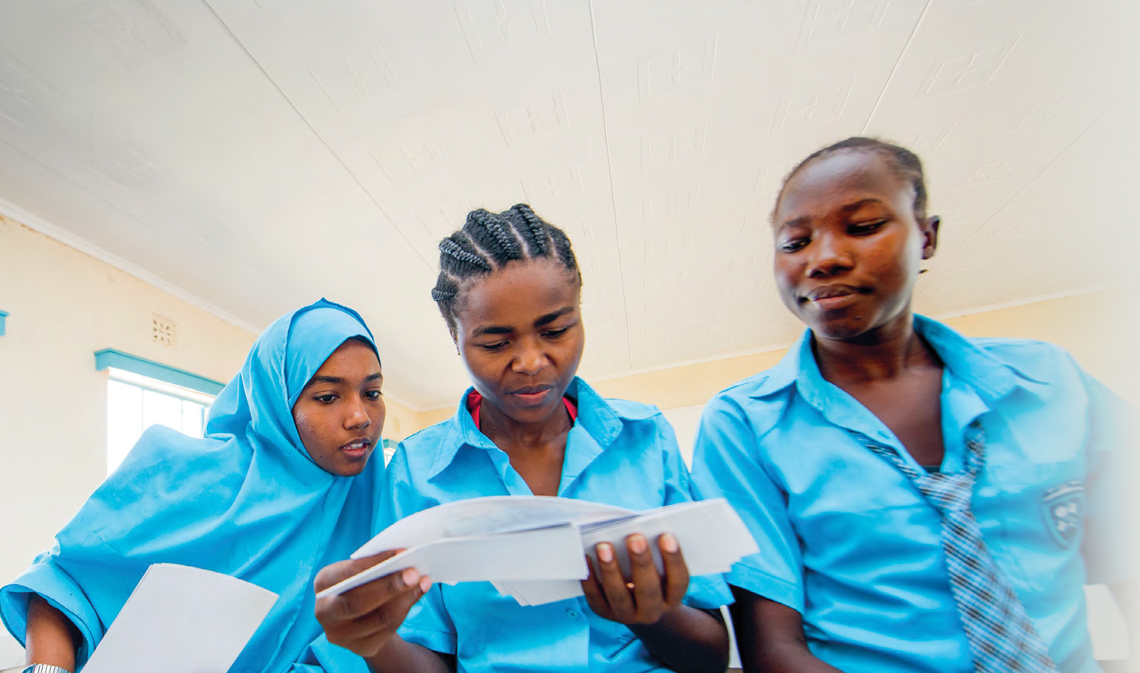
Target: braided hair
905	164
488	242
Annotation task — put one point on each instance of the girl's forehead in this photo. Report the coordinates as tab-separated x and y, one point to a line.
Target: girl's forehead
518	288
841	176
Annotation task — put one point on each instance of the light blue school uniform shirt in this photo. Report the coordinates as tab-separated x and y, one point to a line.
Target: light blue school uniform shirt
848	541
618	453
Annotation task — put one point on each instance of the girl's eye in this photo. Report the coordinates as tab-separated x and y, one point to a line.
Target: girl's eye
373	394
555	333
865	227
327	398
497	346
793	245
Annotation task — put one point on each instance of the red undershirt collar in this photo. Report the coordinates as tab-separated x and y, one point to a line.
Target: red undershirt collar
475	403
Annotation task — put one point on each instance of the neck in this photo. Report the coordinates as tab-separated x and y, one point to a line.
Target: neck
880	354
504	430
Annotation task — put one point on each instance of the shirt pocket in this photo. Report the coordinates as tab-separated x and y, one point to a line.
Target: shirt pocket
1033	519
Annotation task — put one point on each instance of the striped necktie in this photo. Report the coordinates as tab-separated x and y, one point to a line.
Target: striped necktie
1001	636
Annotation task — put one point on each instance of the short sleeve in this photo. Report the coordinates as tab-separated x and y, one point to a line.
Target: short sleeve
727	464
1110	541
708	592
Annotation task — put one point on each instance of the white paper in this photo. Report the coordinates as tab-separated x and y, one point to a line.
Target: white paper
710	533
182	620
483	516
534	548
542	553
540	592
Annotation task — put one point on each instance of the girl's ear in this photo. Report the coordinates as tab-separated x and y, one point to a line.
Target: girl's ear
929	227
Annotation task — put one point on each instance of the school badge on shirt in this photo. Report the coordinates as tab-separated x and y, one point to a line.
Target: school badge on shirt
1064	508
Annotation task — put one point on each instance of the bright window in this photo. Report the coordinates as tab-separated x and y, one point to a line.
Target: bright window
136	402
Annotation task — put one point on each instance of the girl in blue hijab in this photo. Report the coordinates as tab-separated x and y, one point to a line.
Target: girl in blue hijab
280	486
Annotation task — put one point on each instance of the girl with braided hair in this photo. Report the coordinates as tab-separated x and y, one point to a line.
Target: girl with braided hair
508	290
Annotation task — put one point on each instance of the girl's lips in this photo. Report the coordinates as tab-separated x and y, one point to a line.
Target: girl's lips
532	398
831	297
835	302
357	449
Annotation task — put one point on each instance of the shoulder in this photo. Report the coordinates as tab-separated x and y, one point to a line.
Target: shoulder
628	410
1020	350
1040	361
757	403
421	449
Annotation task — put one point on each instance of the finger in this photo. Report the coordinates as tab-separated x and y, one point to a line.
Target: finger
676	570
368	597
595	596
644	575
391	615
336	573
365	634
613	583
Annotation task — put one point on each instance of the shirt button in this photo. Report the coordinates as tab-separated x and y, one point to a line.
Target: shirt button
573	614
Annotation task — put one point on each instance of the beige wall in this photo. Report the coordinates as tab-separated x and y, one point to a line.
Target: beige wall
401	420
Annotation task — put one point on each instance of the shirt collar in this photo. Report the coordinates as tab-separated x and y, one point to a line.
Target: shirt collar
991	376
595	415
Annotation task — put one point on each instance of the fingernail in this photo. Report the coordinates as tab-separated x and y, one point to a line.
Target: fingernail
425	584
605	553
637	544
410	577
669	543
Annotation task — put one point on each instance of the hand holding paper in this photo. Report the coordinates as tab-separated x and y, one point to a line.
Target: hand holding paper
643	594
366	620
533	548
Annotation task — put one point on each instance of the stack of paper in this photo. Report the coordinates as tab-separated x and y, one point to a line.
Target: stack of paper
534	548
182	620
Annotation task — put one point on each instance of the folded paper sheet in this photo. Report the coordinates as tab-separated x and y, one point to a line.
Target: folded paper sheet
182	620
542	553
534	548
711	535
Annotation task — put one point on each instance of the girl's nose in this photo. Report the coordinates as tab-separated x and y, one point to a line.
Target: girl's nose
530	359
828	256
357	416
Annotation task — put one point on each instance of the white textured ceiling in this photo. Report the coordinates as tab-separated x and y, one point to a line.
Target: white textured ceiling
257	154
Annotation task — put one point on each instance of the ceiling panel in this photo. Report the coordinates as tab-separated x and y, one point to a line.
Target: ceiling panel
259	153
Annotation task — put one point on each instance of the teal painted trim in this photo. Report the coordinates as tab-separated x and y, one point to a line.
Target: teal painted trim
390	444
110	357
3	315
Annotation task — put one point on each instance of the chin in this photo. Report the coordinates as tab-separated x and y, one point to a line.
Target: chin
528	415
838	328
351	469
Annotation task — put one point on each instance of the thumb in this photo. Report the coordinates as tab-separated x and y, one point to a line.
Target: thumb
336	573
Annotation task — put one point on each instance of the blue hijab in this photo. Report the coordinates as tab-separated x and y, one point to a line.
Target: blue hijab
247	501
